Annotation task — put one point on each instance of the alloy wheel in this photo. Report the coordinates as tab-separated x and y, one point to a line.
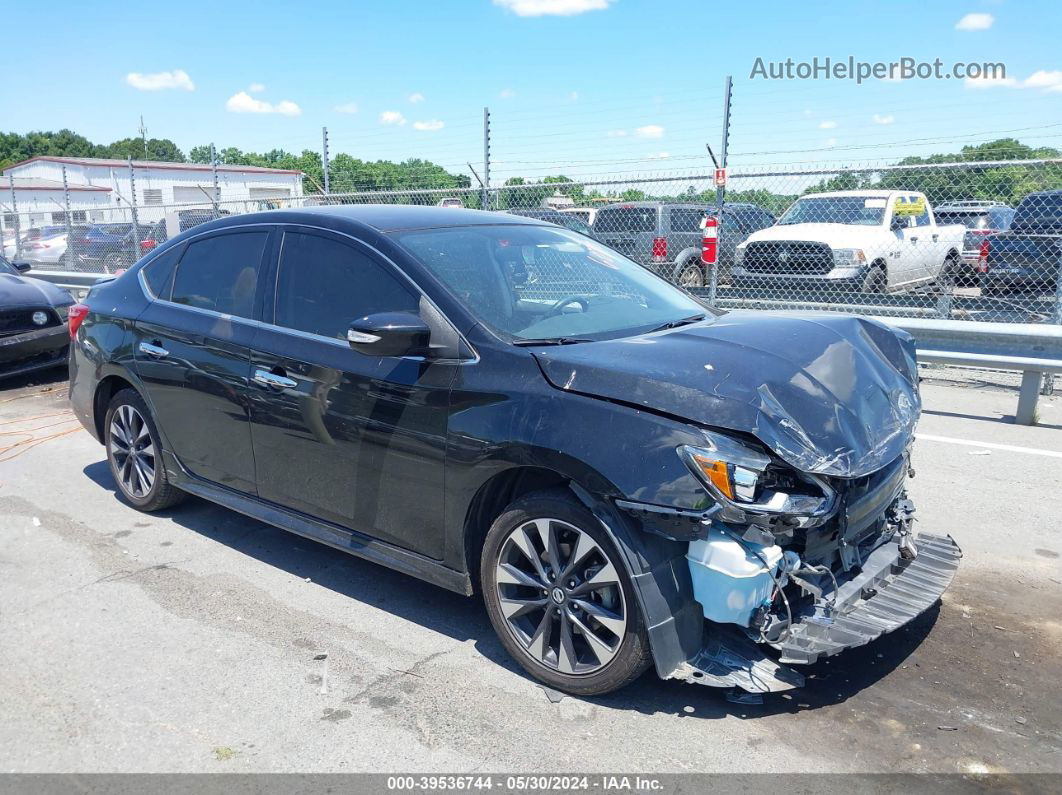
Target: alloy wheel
561	596
691	277
132	451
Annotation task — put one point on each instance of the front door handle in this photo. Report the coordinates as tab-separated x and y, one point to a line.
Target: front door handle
267	378
914	239
153	350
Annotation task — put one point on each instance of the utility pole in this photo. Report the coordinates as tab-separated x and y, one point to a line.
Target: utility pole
485	201
14	211
720	191
143	136
324	157
217	186
132	211
69	228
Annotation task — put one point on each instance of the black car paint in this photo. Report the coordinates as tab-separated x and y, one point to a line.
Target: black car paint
394	460
23	347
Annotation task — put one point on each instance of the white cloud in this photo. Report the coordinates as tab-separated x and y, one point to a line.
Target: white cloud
506	93
346	107
658	155
416	97
243	102
975	22
1047	80
392	117
879	119
158	81
827	125
560	8
434	124
256	88
990	82
616	133
650	131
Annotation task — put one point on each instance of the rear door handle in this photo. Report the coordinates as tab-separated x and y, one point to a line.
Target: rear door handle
267	378
153	350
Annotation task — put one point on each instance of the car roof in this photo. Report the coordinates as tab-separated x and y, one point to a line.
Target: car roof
379	217
864	194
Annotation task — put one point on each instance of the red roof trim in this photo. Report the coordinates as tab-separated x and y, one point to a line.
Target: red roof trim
108	163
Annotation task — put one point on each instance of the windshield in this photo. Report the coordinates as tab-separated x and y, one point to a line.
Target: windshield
538	282
836	210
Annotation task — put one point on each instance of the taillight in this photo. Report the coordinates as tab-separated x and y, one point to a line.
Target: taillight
147	245
75	315
709	245
982	258
659	249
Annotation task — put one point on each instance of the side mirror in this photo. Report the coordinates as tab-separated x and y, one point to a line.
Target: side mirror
390	334
21	266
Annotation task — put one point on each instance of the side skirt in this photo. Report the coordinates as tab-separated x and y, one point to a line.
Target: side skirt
349	541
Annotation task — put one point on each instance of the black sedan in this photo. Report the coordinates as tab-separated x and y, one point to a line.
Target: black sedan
497	405
33	330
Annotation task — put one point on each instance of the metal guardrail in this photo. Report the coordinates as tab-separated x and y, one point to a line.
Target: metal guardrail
76	282
1030	348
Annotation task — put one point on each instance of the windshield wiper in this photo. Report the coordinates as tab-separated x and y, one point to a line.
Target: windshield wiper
550	341
685	321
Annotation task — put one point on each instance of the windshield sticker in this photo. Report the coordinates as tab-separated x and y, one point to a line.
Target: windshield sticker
875	204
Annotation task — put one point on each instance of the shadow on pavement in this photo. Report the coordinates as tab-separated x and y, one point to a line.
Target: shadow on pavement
828	682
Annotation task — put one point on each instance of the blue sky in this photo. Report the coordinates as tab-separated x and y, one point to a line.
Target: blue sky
623	86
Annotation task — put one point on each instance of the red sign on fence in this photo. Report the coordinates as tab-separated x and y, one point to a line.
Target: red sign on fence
720	178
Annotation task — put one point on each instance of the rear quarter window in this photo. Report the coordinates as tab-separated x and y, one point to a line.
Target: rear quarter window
626	219
158	274
686	219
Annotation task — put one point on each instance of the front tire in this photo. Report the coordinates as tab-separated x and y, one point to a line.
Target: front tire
559	596
876	280
135	455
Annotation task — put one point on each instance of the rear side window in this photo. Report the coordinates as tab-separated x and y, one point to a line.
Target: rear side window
221	273
158	274
325	284
626	219
686	219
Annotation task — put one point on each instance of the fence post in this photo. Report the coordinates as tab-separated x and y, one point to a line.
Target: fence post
720	191
132	211
217	186
69	227
485	202
324	157
14	211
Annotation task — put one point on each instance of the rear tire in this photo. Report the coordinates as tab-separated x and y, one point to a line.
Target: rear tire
578	629
691	275
135	454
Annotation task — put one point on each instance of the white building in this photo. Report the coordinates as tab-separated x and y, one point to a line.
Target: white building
99	185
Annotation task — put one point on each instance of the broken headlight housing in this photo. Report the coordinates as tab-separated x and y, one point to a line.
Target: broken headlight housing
747	483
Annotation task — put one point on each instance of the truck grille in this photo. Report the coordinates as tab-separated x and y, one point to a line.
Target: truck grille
19	321
788	256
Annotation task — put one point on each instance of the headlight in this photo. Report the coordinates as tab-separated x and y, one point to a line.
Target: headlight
848	257
745	480
739	254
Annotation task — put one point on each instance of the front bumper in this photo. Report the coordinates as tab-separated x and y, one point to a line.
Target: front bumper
33	350
837	280
888	593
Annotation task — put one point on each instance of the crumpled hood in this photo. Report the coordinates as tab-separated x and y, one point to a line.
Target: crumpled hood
16	291
829	393
834	235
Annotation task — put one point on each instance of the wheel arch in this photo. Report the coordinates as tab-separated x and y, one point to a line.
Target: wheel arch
107	388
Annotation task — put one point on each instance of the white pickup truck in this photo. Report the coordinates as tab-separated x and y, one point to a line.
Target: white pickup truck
866	240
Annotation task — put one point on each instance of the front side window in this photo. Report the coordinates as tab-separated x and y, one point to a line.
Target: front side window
687	220
220	273
535	282
325	284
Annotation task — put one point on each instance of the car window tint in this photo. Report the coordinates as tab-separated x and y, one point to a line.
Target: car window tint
686	220
325	284
159	272
220	273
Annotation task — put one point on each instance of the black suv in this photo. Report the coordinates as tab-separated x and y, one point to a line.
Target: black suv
498	405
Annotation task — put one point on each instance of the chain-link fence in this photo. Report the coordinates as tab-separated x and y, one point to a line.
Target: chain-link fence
964	240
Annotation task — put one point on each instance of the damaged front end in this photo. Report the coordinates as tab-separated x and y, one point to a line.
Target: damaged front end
789	567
